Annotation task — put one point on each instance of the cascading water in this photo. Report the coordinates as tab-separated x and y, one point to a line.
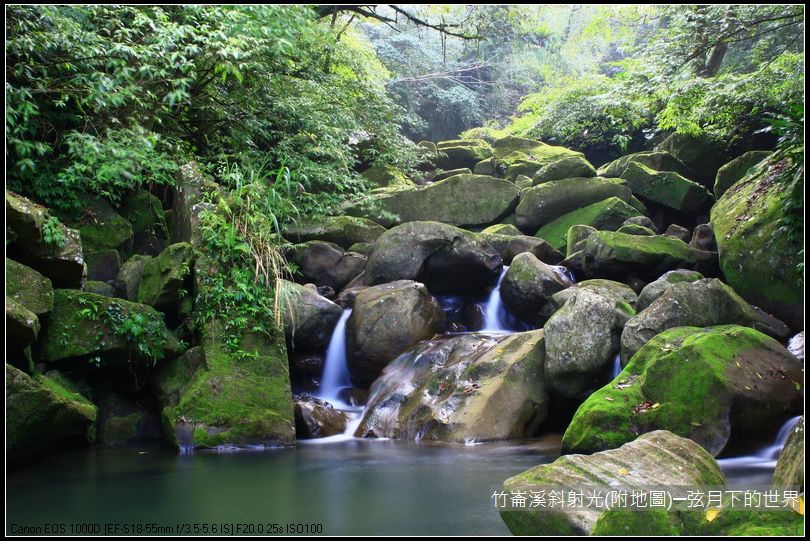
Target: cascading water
494	311
765	458
616	369
335	369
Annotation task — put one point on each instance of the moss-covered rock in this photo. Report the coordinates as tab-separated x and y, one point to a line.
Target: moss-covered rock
460	153
22	329
99	288
528	285
487	167
386	175
129	277
606	215
756	257
736	169
462	200
576	237
362	248
546	202
611	254
634	229
657	160
462	389
656	288
678	232
124	421
387	320
667	188
567	167
522	182
163	277
643	221
341	230
445	258
699	383
309	318
790	466
150	231
508	246
442	175
103	228
658	459
699	303
502	229
520	156
103	265
701	155
28	287
41	414
616	291
325	264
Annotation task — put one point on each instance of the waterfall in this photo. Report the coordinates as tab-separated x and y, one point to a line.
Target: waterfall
335	370
617	367
494	311
765	458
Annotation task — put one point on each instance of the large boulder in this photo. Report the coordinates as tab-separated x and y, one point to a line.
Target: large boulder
657	160
757	258
130	274
61	261
384	175
326	264
617	291
736	169
528	285
461	153
341	230
309	318
546	202
701	155
461	389
656	288
102	265
316	418
667	188
149	229
657	459
41	414
519	156
22	329
568	167
102	227
28	287
387	320
164	276
508	246
700	383
611	254
462	200
790	466
447	259
607	215
582	338
701	303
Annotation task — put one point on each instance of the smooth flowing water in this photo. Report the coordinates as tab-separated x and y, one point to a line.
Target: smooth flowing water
758	468
495	314
335	376
616	368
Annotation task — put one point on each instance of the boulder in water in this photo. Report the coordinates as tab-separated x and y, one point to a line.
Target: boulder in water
528	285
315	418
790	466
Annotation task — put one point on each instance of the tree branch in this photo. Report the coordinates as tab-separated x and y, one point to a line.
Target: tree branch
370	12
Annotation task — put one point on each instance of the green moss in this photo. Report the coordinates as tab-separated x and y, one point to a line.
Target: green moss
635	229
657	160
386	175
608	214
162	276
568	167
621	522
105	229
341	230
120	429
503	229
28	287
736	169
667	188
462	153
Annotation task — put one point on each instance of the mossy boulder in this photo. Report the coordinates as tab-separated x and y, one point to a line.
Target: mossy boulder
582	338
462	200
658	287
445	258
701	303
385	175
757	258
103	265
612	254
25	220
442	175
341	230
616	291
657	459
508	246
678	232
461	389
125	421
699	383
701	155
387	320
657	160
667	188
460	153
567	167
129	276
502	229
736	169
790	466
316	418
362	248
41	415
519	156
103	228
163	277
528	285
643	221
575	238
634	229
28	287
325	264
309	318
22	329
99	288
150	232
606	215
546	202
487	167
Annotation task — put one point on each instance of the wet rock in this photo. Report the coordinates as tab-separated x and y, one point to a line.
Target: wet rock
528	285
309	318
316	418
790	466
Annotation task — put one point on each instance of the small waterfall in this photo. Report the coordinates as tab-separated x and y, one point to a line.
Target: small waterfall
616	369
335	370
494	311
765	458
772	452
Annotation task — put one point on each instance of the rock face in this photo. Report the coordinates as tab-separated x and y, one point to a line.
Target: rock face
462	388
701	303
700	383
655	289
22	329
316	418
582	338
790	466
657	160
568	167
667	188
387	320
41	414
528	285
309	318
129	277
104	229
459	153
64	265
341	230
607	215
703	238
736	169
162	277
326	264
756	257
462	200
611	254
546	202
659	458
447	259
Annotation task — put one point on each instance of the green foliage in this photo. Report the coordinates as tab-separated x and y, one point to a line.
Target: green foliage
52	232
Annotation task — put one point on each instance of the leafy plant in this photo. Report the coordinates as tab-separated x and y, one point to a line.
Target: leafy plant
53	232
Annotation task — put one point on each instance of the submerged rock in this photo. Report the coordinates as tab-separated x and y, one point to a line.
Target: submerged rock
309	318
699	383
387	320
316	418
462	388
528	285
